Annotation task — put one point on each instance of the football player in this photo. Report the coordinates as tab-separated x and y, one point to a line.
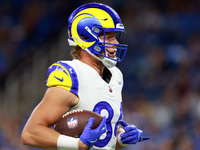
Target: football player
91	81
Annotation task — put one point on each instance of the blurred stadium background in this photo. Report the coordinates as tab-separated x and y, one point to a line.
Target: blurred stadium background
161	69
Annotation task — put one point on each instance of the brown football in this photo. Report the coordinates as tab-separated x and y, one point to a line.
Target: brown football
73	123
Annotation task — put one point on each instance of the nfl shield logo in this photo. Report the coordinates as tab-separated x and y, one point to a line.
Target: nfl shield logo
72	122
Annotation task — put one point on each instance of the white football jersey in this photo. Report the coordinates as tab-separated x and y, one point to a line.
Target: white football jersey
95	94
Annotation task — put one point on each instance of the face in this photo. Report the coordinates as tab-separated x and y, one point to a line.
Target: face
110	37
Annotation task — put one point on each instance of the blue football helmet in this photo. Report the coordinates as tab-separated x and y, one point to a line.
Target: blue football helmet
85	25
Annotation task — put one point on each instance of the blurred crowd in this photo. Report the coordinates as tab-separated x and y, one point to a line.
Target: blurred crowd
26	25
161	69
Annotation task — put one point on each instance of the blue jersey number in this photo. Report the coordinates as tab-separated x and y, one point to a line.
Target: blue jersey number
106	106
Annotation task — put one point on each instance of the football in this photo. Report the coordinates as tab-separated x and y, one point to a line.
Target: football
73	123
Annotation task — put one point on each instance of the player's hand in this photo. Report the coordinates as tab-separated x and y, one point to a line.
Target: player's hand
132	134
89	136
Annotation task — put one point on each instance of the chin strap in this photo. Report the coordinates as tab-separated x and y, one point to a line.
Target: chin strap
108	62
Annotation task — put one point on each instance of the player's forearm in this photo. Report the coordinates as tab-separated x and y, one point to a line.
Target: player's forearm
39	136
45	138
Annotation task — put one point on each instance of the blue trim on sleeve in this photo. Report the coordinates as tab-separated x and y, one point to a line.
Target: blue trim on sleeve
72	72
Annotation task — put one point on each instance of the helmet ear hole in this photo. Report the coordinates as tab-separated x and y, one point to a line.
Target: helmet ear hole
84	37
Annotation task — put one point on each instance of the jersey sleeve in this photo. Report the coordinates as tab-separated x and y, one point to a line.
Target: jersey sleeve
62	75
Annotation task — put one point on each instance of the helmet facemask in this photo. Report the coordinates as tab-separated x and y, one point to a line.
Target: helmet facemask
119	49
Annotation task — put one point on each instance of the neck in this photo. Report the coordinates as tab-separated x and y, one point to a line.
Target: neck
92	62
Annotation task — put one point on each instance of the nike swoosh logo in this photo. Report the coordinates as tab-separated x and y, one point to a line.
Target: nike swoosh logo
104	19
60	79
